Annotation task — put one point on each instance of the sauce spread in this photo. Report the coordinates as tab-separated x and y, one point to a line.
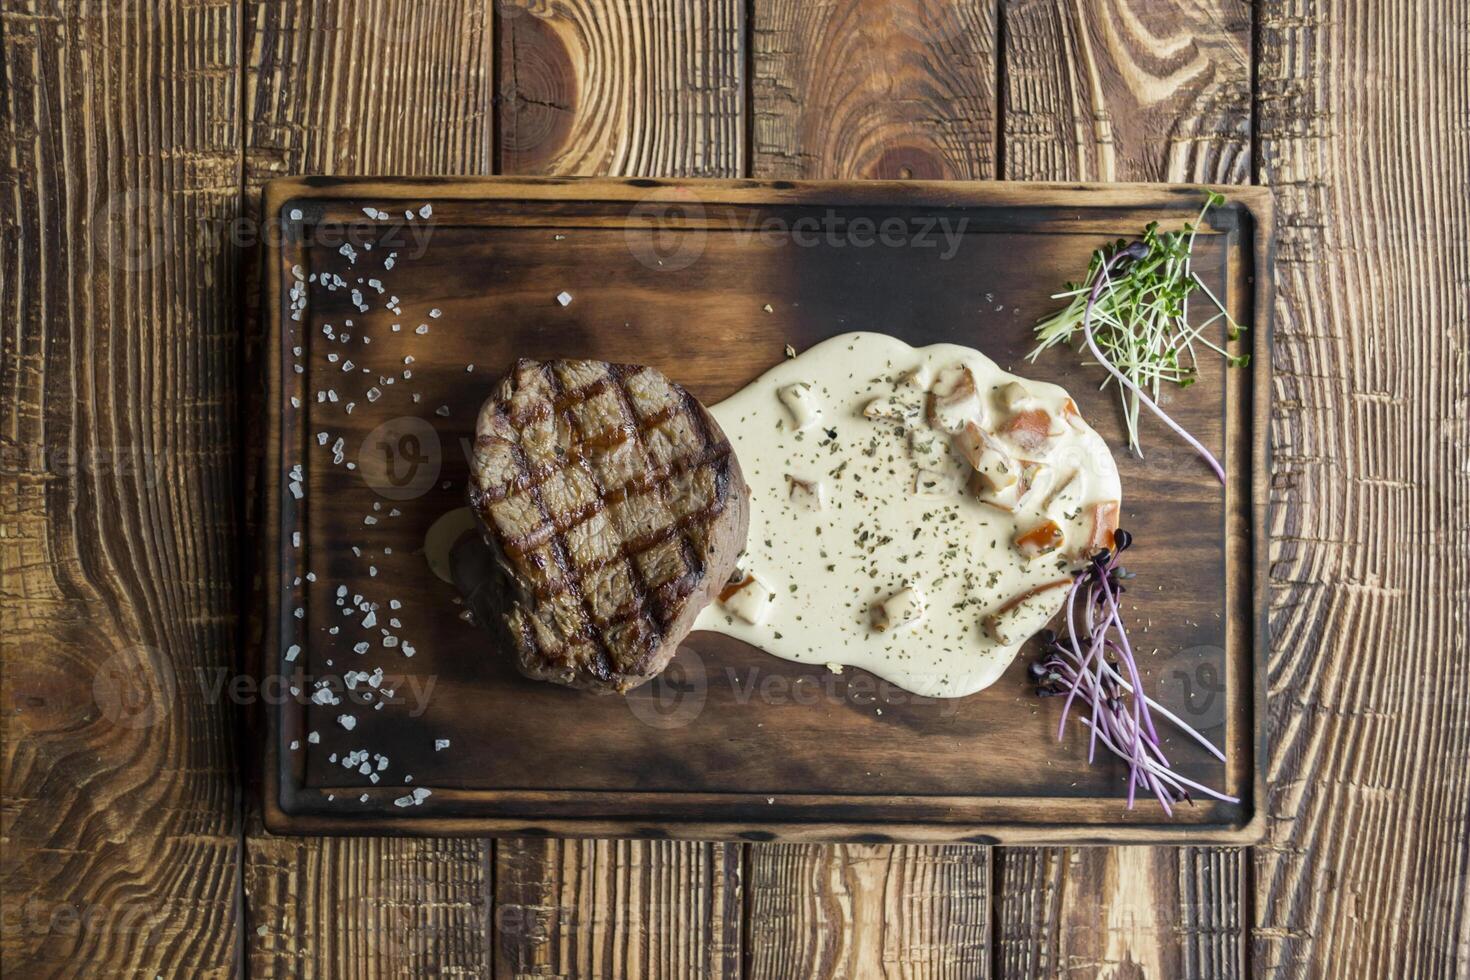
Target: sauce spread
914	511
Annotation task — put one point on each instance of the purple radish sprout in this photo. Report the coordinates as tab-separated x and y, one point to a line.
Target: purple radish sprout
1077	666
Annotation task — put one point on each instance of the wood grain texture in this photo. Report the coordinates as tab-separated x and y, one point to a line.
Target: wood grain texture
829	911
873	88
1363	872
618	909
1124	90
1127	90
621	87
1124	912
372	907
366	86
117	542
864	89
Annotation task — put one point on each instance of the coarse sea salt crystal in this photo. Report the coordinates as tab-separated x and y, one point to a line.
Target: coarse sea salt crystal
564	298
436	313
421	329
296	214
292	652
440	744
347	721
426	210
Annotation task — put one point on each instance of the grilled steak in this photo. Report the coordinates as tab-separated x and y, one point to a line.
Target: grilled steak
615	510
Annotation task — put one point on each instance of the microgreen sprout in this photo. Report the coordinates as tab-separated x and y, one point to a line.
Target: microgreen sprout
1092	662
1133	314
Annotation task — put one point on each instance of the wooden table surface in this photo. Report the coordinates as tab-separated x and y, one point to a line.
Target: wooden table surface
137	136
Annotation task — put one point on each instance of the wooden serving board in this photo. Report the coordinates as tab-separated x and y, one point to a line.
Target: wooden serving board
708	281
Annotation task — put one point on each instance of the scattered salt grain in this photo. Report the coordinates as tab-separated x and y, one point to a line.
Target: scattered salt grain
564	298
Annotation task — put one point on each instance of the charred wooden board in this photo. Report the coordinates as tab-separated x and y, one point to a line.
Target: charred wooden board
708	281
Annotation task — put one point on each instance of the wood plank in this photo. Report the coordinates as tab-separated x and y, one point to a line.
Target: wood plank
1124	90
1127	911
117	540
873	88
867	911
648	87
366	86
855	89
618	909
366	906
635	88
1127	90
1364	863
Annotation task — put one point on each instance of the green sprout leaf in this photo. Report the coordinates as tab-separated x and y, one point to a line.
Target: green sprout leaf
1142	319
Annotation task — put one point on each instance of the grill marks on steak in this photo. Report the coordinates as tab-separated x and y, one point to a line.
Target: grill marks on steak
616	509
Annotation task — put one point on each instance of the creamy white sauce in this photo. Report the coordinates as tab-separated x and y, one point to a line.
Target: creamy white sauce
870	535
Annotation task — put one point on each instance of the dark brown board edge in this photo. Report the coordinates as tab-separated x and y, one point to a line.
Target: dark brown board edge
1255	205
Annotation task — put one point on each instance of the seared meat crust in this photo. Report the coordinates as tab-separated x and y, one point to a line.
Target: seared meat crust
615	509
